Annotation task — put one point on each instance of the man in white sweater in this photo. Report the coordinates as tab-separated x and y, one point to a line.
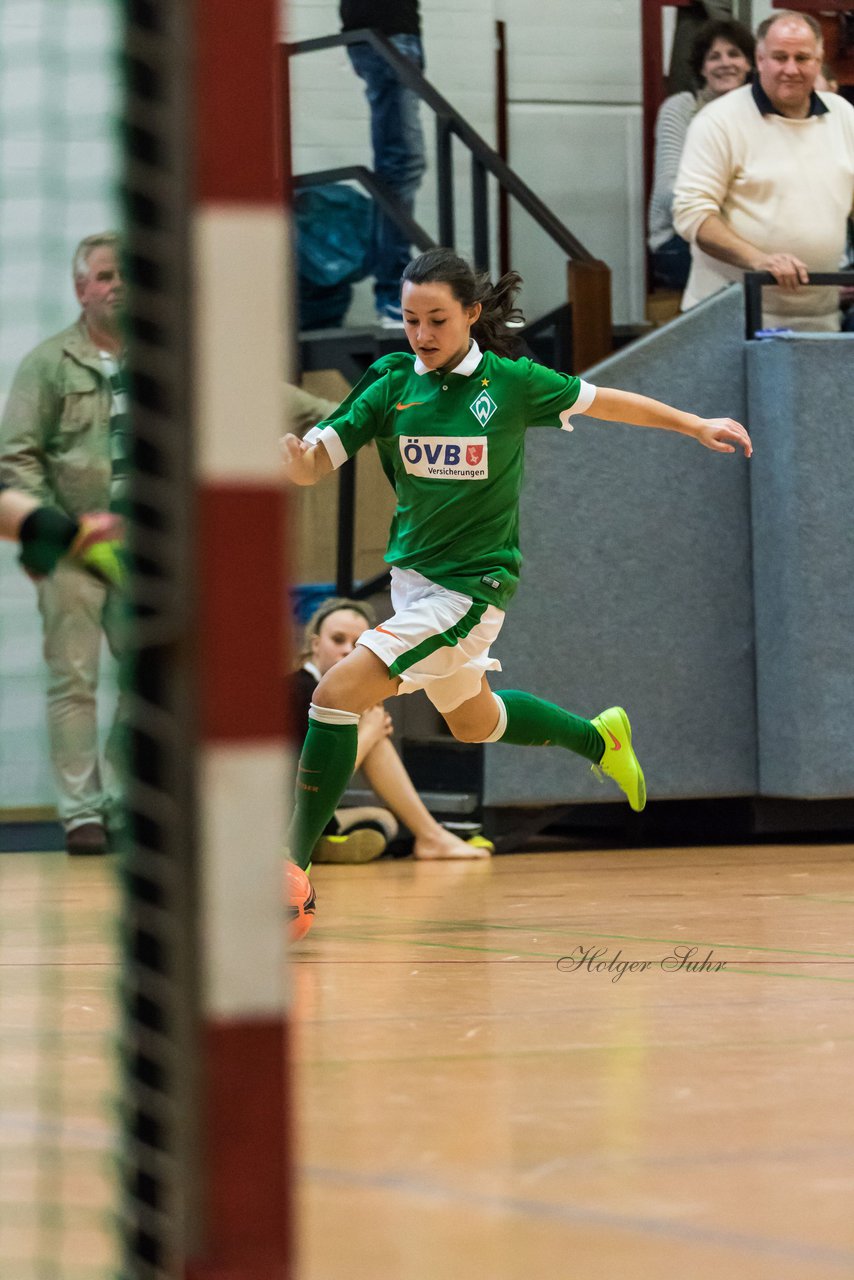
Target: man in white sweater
766	181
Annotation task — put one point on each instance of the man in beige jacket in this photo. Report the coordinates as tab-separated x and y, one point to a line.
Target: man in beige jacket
766	181
64	450
63	442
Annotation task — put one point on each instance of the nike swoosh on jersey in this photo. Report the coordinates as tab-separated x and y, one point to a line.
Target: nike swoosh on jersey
401	407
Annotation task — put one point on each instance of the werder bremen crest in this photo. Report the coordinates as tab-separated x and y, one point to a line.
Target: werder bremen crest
483	407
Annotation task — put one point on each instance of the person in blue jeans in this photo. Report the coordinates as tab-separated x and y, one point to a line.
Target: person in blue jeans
396	135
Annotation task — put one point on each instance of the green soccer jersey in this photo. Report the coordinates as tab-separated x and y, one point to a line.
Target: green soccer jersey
453	446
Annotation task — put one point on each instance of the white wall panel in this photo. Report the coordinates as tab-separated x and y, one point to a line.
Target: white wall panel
330	118
578	51
585	163
59	170
575	86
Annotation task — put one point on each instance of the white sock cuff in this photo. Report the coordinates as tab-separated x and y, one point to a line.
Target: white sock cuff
499	730
329	715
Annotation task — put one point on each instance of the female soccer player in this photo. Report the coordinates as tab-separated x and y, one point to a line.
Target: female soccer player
449	424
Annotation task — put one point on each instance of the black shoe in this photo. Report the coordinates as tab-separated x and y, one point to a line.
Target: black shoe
87	840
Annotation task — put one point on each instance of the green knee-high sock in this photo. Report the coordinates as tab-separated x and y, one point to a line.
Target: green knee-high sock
533	722
325	767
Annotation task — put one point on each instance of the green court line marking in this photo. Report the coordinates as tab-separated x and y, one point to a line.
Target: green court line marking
480	926
453	946
822	897
423	942
804	977
553	956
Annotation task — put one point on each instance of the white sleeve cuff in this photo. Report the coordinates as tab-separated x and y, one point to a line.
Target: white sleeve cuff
586	396
331	441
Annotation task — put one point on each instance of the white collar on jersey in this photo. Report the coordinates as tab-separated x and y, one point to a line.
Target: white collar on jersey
312	670
465	368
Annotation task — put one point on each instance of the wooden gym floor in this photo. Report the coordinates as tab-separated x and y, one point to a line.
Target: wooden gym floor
475	1098
477	1102
58	1076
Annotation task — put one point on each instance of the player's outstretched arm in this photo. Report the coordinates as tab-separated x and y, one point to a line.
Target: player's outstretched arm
304	464
723	435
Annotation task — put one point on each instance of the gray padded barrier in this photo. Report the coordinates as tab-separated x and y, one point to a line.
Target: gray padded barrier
637	582
802	492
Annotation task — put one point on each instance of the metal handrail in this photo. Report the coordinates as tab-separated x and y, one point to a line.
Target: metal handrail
449	121
383	196
755	281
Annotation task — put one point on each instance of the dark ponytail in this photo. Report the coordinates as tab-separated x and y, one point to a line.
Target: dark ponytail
443	266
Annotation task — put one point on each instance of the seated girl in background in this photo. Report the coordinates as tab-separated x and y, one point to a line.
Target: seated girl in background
361	834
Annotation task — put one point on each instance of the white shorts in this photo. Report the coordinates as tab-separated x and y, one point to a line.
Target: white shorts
436	640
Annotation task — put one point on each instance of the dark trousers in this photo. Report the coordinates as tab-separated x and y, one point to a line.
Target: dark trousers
671	263
399	154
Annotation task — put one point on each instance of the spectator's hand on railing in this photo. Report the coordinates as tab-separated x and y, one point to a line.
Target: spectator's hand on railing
723	435
789	272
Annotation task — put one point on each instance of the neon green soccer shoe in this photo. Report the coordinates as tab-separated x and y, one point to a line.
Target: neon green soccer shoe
99	548
619	761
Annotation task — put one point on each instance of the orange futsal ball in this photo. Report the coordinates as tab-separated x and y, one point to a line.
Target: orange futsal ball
299	900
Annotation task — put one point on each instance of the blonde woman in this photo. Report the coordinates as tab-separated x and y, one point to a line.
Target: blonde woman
722	59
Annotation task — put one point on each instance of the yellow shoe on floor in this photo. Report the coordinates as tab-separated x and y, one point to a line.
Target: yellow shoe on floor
362	845
619	761
481	842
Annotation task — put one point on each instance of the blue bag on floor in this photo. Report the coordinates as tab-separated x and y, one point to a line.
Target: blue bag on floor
334	226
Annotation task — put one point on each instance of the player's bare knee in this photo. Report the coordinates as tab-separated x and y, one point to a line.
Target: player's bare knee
337	691
355	683
464	732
